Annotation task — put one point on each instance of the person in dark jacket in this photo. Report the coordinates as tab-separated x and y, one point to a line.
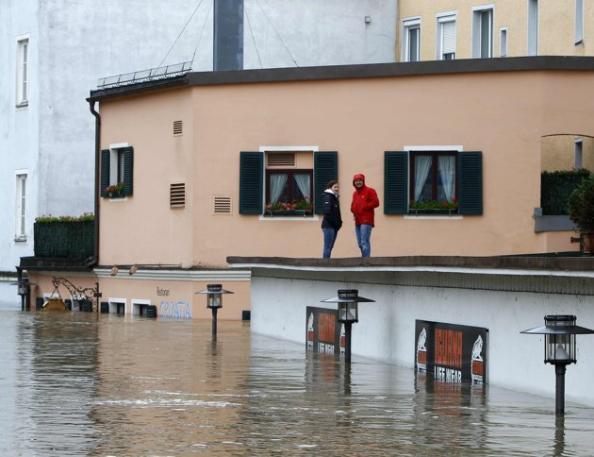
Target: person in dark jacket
332	221
364	202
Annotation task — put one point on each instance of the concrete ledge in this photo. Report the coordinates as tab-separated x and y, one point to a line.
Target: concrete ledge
553	224
552	262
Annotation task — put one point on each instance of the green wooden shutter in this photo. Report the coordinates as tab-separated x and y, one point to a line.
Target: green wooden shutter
251	182
470	183
128	170
395	182
325	169
104	171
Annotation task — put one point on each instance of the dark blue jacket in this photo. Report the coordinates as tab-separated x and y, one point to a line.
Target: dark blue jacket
331	211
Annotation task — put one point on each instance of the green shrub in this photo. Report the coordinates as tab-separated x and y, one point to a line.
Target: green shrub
581	205
85	217
556	187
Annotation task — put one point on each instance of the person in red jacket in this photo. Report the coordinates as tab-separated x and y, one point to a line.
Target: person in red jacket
364	202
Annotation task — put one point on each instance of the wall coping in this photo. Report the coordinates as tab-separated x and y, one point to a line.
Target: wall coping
358	71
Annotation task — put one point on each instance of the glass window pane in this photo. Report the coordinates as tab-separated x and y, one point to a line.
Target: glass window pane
413	44
486	34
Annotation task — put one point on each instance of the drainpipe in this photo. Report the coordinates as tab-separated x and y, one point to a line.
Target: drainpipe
97	169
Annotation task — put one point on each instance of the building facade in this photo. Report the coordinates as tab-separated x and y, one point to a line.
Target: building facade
182	188
53	52
463	29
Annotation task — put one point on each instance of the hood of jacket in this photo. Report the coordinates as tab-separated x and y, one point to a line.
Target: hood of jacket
358	176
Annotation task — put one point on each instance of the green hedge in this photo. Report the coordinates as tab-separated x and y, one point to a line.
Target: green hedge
556	187
73	240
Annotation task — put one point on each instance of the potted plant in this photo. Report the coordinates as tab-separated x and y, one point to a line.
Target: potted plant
581	212
434	207
115	190
303	208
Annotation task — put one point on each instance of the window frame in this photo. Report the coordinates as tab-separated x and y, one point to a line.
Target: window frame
503	43
408	24
20	232
532	27
290	182
477	13
579	22
22	73
435	154
441	19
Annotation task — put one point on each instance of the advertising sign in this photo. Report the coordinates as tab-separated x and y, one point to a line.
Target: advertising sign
323	332
451	353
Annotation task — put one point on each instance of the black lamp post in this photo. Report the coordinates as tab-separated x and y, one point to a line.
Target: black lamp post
559	332
214	301
348	313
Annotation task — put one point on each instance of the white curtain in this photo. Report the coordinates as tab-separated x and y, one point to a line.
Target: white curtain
422	167
447	170
277	185
303	184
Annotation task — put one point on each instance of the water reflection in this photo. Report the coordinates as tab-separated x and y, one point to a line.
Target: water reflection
83	385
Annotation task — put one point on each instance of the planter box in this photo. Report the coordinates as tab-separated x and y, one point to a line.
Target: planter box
295	213
433	212
72	240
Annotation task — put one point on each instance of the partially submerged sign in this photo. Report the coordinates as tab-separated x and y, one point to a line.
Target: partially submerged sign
323	333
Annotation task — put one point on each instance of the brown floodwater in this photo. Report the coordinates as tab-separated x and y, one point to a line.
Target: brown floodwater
77	384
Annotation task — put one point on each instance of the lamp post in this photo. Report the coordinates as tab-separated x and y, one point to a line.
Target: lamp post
348	313
214	300
559	332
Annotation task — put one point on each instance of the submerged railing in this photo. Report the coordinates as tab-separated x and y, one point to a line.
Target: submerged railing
152	74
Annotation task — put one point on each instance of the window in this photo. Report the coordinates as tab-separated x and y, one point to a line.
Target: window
532	27
441	179
117	171
482	39
446	37
579	21
289	192
503	42
21	197
21	73
577	160
266	190
433	181
411	51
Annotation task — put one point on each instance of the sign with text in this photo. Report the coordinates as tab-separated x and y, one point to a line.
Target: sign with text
451	353
323	332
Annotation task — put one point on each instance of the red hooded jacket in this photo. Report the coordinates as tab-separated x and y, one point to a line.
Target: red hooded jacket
364	201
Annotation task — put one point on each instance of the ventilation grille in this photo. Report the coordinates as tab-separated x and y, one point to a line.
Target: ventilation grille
177	195
281	160
178	128
222	205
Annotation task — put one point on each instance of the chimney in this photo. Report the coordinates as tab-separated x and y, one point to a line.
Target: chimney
228	35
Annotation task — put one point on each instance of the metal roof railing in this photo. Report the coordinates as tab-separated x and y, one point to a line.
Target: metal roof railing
152	74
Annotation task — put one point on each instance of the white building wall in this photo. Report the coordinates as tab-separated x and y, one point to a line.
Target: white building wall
386	328
72	44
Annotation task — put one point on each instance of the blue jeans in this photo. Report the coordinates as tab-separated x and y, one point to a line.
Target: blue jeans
363	232
329	239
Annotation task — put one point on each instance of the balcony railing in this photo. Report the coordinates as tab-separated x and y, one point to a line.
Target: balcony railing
125	79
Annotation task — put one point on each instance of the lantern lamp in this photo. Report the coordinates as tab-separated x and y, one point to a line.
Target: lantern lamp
348	313
214	301
559	349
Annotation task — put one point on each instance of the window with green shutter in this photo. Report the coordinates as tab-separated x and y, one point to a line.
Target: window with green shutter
117	172
433	182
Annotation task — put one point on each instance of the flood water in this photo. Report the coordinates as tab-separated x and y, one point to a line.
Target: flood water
75	384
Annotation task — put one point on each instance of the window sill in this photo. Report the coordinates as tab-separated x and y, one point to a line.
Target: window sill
22	104
20	239
433	216
290	218
115	199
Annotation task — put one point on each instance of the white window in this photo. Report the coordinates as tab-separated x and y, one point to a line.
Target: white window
532	27
578	161
21	198
446	37
503	42
411	51
482	32
22	72
579	21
